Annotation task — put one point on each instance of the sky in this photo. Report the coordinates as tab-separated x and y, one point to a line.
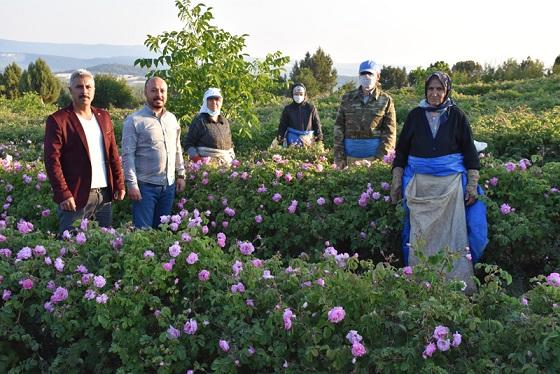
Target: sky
391	32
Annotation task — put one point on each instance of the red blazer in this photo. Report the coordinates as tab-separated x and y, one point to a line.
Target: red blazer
67	156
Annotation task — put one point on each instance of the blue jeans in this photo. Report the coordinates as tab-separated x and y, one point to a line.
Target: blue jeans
156	201
98	207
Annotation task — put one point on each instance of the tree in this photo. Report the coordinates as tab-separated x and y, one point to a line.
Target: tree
112	92
417	76
439	66
393	77
466	71
39	78
508	70
202	55
556	66
322	72
10	81
530	68
305	76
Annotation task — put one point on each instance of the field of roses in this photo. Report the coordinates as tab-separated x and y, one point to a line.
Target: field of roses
282	263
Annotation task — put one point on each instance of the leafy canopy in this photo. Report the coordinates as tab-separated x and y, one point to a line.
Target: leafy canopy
202	55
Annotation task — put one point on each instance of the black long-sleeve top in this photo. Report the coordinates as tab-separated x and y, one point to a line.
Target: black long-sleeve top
453	136
302	117
205	132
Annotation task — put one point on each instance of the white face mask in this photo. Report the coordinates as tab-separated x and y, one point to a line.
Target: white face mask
213	113
298	99
367	82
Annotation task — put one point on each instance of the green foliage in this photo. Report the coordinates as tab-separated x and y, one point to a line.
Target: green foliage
202	55
556	66
393	77
395	312
316	71
439	66
466	71
39	78
112	92
417	76
10	81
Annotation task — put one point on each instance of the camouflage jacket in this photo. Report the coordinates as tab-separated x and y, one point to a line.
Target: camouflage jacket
356	120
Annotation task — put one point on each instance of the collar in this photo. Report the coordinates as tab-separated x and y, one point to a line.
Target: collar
358	94
147	109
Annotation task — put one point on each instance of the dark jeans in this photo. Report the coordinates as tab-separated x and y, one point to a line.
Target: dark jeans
98	207
156	201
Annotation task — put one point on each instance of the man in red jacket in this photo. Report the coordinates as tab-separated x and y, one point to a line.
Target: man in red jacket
81	157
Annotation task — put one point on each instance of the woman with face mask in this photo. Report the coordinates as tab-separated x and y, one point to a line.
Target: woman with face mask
299	124
209	134
436	165
366	123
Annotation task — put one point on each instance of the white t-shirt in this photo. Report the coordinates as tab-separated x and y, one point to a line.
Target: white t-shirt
96	152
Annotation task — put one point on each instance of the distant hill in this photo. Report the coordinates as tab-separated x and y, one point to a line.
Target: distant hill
115	69
62	63
79	51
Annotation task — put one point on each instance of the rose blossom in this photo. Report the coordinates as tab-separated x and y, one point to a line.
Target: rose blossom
99	281
60	294
190	327
336	314
358	349
26	284
224	345
246	248
429	350
192	258
203	275
288	316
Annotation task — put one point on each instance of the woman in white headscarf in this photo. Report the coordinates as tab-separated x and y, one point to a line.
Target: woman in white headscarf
209	134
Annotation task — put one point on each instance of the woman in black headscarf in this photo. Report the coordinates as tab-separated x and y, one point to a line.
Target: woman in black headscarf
437	167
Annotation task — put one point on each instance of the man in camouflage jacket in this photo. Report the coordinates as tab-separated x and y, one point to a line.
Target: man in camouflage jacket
365	113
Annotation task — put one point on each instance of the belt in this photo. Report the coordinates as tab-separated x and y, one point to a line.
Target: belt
101	189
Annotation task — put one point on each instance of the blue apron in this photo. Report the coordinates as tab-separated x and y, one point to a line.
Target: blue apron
293	136
477	224
361	148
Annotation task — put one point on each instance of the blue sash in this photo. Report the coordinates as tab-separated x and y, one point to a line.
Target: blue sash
361	148
293	136
477	224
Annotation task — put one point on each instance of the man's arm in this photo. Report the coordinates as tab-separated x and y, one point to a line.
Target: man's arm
129	139
338	130
53	144
115	163
179	162
389	137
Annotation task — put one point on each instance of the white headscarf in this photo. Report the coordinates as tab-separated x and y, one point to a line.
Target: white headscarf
211	92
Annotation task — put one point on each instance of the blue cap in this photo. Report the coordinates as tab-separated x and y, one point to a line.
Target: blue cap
369	66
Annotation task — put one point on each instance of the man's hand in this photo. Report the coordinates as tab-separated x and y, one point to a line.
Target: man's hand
196	158
68	204
134	194
119	195
180	184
